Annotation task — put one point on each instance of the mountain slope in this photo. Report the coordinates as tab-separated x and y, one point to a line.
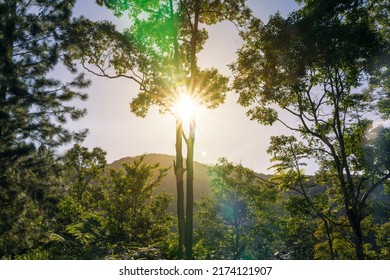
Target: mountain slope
201	178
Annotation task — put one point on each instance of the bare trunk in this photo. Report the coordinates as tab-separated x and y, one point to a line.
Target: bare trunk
191	139
190	190
178	165
179	173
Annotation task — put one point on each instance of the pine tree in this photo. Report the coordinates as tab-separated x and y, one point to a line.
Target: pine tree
33	106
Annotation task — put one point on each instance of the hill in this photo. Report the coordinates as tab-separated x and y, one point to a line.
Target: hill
201	178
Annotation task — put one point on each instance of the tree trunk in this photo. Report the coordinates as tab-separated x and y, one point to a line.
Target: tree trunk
7	67
329	238
179	173
190	141
357	233
354	219
178	165
190	190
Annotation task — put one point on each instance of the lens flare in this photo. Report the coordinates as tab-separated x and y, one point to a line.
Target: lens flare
185	107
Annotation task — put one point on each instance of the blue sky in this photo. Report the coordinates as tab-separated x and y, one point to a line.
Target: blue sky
223	132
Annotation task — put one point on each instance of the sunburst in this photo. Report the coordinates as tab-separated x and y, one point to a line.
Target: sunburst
185	107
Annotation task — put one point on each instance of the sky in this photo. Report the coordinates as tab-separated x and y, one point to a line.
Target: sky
222	132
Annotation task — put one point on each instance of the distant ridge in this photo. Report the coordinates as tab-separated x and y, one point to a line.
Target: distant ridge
201	178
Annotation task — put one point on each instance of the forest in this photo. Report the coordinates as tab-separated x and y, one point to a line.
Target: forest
322	72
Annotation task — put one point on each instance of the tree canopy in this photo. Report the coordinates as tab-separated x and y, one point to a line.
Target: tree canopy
325	65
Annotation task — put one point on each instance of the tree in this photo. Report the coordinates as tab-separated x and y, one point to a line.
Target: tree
82	167
135	217
33	106
233	220
313	66
117	215
309	195
163	41
128	197
27	205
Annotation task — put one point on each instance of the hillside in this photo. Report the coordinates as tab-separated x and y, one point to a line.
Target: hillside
201	179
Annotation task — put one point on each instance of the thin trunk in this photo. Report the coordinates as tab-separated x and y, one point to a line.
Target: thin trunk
329	237
352	214
190	190
347	185
359	248
179	173
191	139
179	169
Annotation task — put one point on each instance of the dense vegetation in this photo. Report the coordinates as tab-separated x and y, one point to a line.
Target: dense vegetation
326	64
95	211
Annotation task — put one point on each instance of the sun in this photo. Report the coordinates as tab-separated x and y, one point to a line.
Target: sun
185	107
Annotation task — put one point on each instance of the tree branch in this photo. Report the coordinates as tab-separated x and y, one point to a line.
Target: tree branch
103	74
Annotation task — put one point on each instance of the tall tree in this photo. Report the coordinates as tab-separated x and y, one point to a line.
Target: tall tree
164	39
33	106
314	66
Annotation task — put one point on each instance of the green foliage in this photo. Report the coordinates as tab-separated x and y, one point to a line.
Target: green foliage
133	214
27	199
313	65
117	215
375	152
380	14
296	239
32	104
383	240
169	34
158	50
33	111
234	221
82	167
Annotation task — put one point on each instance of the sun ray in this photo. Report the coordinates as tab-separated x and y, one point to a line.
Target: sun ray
185	107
